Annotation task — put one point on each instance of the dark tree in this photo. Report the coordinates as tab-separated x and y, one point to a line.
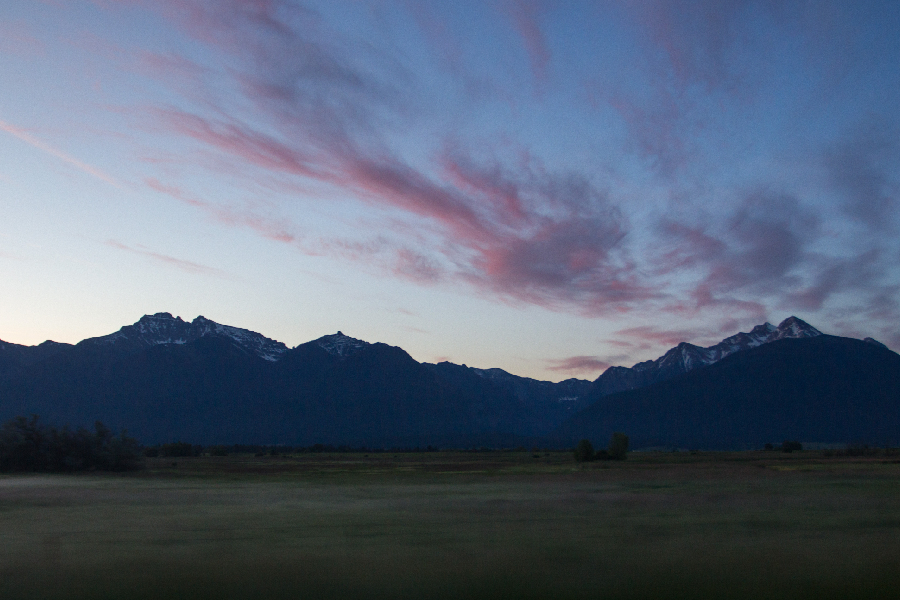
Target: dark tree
28	445
618	446
584	451
790	446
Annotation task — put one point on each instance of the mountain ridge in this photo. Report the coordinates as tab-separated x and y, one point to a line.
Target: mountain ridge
164	379
686	357
162	328
822	389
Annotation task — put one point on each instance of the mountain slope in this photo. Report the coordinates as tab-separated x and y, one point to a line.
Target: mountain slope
686	357
163	328
819	389
165	379
516	404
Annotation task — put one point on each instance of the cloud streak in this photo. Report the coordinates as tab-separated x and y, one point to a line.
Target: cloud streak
29	139
524	232
169	261
589	365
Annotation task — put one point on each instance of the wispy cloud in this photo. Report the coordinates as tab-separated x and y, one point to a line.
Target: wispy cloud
171	261
28	138
658	336
589	365
285	94
525	17
861	166
15	39
524	232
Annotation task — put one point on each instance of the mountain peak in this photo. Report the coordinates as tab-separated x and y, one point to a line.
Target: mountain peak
686	357
763	329
875	342
162	328
338	344
796	328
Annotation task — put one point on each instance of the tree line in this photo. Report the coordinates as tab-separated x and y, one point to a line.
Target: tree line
616	450
29	445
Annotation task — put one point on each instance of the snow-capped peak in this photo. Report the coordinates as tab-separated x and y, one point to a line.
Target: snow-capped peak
686	357
163	328
250	340
792	327
338	344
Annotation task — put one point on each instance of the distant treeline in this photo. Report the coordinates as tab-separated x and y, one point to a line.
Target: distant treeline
29	445
182	449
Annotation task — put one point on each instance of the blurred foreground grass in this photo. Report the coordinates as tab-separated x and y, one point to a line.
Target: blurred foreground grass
459	525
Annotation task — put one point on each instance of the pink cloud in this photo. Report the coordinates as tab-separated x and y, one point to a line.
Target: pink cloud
514	250
760	251
251	146
303	106
524	14
415	266
579	364
696	38
655	335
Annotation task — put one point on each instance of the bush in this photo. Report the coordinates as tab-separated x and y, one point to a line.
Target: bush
791	446
860	450
180	449
584	451
618	446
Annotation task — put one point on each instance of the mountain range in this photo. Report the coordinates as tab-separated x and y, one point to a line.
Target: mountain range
166	379
823	389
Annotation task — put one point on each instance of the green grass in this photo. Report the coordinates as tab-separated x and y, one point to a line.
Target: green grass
458	525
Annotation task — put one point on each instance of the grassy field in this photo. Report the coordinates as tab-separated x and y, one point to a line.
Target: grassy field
459	525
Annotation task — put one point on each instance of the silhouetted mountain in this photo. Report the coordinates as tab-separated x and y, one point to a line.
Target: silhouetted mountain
165	379
16	356
162	328
686	357
520	404
821	389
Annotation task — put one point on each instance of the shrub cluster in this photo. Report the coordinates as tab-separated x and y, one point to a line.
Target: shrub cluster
855	450
28	445
616	450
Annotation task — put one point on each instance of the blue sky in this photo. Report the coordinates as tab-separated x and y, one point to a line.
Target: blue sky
549	188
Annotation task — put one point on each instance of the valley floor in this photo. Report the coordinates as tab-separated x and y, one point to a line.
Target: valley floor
459	525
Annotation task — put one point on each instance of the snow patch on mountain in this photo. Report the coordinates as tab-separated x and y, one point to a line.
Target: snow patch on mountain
163	328
689	356
249	340
338	344
875	342
686	357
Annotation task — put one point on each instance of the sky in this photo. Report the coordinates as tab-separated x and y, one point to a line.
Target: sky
550	188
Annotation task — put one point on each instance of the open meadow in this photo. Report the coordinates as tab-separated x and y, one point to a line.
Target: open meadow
459	525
